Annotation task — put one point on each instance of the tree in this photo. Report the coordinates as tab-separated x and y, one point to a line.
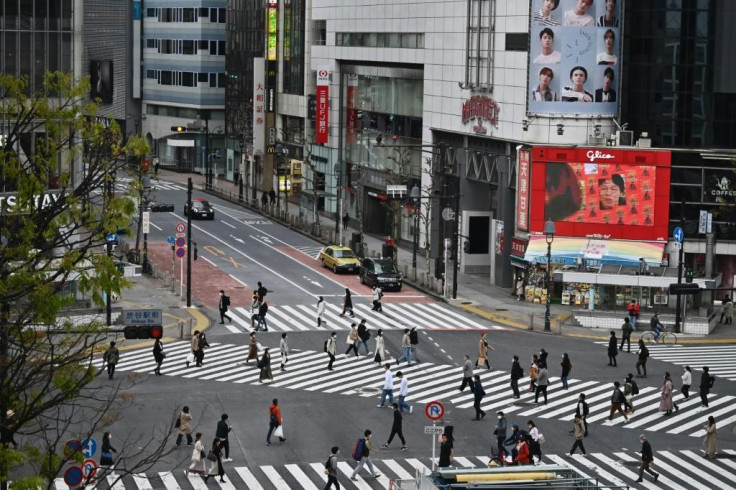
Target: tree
55	158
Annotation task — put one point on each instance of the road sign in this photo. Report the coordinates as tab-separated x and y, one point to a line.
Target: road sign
433	429
73	476
170	240
112	238
142	318
146	221
89	447
181	227
678	245
678	235
89	468
434	410
181	252
181	241
72	446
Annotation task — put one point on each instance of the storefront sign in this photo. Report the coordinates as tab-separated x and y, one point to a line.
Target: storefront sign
719	186
522	191
321	123
272	22
352	111
518	247
481	108
259	101
569	251
10	201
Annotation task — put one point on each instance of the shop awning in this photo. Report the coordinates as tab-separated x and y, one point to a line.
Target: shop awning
567	251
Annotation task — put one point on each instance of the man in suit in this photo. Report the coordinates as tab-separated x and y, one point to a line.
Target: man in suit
606	94
224	303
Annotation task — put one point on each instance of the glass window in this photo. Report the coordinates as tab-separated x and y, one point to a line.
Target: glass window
53	58
204	12
204	44
187	79
222	80
689	193
11	44
150	12
41	14
187	47
338	39
11	14
517	41
213	15
151	74
213	48
213	80
39	59
66	15
26	14
394	40
203	77
66	49
685	175
222	16
409	41
188	15
380	39
150	43
221	48
420	41
166	78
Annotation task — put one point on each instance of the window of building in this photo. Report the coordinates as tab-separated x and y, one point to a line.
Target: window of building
187	79
189	15
187	47
221	46
152	74
479	44
151	12
151	43
204	45
319	28
203	77
517	41
222	15
405	40
204	12
166	78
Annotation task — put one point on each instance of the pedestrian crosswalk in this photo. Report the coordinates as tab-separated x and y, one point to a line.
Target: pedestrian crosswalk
425	316
307	250
306	370
123	185
679	470
720	359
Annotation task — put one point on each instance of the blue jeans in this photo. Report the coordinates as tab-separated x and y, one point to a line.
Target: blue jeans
632	320
657	332
414	353
261	320
390	394
406	357
403	404
365	344
564	381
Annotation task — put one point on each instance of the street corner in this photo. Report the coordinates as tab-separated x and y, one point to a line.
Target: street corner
178	323
502	317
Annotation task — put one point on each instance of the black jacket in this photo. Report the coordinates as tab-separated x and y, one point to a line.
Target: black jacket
478	390
706	383
646	452
397	420
516	371
612	346
363	332
584	404
263	309
543	360
413	337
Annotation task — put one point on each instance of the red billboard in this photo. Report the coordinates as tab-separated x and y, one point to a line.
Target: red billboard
611	193
523	191
321	123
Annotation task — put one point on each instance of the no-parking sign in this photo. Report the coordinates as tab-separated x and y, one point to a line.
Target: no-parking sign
73	476
434	410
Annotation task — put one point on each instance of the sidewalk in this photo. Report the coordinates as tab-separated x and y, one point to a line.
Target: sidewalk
475	294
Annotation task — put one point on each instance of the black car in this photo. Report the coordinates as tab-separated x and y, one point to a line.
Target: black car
201	208
380	272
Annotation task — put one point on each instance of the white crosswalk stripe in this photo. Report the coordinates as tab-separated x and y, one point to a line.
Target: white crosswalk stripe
306	370
395	316
720	359
307	250
678	470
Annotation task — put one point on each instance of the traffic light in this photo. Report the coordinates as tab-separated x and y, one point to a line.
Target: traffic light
162	208
688	275
155	332
685	288
466	247
178	129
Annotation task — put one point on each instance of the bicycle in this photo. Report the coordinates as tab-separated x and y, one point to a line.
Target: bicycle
667	336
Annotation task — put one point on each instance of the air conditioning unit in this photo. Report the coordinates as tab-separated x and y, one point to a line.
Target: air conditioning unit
644	141
599	140
624	138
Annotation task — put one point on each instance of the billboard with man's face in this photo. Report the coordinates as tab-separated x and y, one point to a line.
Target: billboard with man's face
100	75
575	57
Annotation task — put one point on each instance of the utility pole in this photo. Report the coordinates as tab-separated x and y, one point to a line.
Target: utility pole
189	242
108	245
680	259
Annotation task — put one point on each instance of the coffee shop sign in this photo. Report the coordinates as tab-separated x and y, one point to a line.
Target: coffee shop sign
481	108
10	201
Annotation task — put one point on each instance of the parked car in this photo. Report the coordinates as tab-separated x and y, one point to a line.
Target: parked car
201	208
339	259
380	272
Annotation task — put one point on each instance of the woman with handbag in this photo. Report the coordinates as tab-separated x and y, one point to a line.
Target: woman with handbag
274	422
107	450
380	352
252	348
158	356
184	425
265	365
215	456
533	372
198	457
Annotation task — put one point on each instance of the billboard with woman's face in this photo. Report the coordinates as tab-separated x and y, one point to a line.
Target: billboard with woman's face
575	57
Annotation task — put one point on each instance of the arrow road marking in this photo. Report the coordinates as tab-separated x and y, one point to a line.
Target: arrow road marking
237	239
313	282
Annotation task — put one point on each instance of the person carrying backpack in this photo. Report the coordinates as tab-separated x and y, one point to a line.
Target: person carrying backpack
630	389
331	468
224	303
363	336
262	310
414	341
331	349
111	358
362	454
643	354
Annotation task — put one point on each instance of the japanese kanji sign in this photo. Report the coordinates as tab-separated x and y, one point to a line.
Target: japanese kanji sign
321	122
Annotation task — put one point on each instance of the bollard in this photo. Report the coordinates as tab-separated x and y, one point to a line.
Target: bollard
405	270
531	321
181	329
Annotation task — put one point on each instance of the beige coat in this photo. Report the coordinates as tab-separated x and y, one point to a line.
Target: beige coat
195	343
482	351
186	423
253	348
709	442
353	336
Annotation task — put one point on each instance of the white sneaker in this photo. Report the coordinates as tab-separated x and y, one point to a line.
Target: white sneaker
411	409
227	460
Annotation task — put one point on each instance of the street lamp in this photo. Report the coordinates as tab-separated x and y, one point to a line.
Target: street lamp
241	169
415	196
549	235
145	195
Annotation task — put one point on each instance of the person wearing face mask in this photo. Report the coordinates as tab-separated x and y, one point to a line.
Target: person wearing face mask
500	432
542	359
107	450
566	368
536	440
582	410
517	372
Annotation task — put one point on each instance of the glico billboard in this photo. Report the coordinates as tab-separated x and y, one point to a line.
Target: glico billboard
601	192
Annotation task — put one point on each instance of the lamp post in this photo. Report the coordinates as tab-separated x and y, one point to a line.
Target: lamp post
549	234
240	172
415	196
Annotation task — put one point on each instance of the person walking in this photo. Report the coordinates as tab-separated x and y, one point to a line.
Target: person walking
222	433
617	399
365	457
272	197
194	346
198	458
626	330
500	432
447	452
202	344
252	348
380	349
223	304
111	358
106	459
184	424
363	336
478	394
265	366
542	359
709	441
414	341
578	432
264	201
320	311
331	469
467	374
262	311
483	347
216	469
533	373
403	392
158	356
352	340
582	410
396	429
262	291
274	420
376	295
630	389
706	383
388	386
633	310
405	348
566	365
284	350
347	303
537	438
345	220
612	349
641	361
331	349
647	458
728	311
687	380
517	372
542	382
665	400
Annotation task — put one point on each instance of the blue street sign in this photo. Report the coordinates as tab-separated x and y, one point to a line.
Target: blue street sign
112	238
170	239
89	447
678	234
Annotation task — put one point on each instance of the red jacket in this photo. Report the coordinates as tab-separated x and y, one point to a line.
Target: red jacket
633	309
275	411
523	456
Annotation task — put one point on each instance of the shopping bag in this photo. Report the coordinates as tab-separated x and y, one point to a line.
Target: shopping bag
279	432
190	357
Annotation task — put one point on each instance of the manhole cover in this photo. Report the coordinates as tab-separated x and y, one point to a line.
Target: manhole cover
502	309
369	390
466	303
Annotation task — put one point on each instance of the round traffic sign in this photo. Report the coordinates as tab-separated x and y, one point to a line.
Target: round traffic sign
181	227
72	446
181	241
89	447
73	476
678	234
434	410
89	468
180	252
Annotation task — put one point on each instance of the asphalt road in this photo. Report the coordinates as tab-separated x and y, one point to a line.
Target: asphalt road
322	409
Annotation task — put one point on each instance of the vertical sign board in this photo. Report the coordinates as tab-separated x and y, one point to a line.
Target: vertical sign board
272	25
321	122
136	49
352	119
522	191
259	98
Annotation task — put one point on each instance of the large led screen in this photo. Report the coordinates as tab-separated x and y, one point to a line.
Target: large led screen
574	57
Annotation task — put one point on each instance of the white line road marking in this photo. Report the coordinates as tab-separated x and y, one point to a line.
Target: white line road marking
228	224
154	225
241	282
208	260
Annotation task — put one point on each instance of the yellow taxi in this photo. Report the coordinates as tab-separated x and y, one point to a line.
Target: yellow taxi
339	259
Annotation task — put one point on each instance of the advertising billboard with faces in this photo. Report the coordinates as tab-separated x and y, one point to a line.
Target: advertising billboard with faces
574	57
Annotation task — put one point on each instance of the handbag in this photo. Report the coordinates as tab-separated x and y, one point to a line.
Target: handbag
202	454
190	357
279	432
177	424
211	456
